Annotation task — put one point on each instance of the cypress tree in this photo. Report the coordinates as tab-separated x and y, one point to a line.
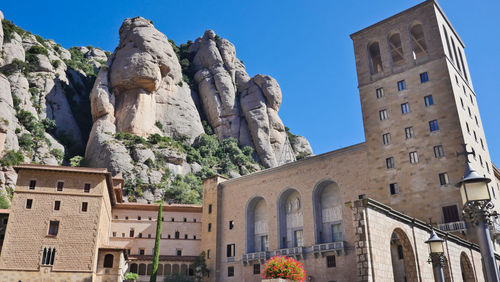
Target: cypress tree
156	254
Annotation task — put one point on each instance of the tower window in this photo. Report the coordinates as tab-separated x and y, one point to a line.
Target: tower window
386	138
53	228
413	157
177	234
448	43
210	227
48	256
471	99
380	92
57	205
85	206
230	271
389	163
409	132
467	126
405	108
179	252
375	58
438	151
462	103
230	250
475	136
443	179
450	214
418	42
424	77
231	224
32	184
86	188
60	185
210	208
141	252
29	203
108	261
428	101
393	188
470	114
396	49
401	85
482	144
433	125
383	114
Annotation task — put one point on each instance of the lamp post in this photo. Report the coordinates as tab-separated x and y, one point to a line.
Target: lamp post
477	205
436	255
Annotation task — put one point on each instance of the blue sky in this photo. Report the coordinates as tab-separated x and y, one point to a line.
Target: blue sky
305	45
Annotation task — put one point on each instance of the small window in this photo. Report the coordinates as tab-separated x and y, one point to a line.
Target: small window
380	92
32	184
467	126
400	252
450	214
393	188
424	77
150	218
389	163
386	138
140	235
138	218
231	224
48	256
208	253
131	233
230	271
413	157
401	85
477	122
210	227
409	132
330	261
194	237
86	188
475	136
123	235
29	203
231	250
53	228
141	252
185	219
438	151
177	234
168	236
108	261
481	160
443	179
428	101
433	125
126	218
210	208
185	236
162	218
149	236
462	103
114	234
405	108
470	114
482	144
85	206
60	185
471	100
256	268
172	219
383	114
179	252
194	219
57	205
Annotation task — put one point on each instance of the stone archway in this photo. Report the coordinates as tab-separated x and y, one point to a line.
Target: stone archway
403	258
466	268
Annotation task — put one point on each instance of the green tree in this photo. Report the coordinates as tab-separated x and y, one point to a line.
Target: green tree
4	202
131	276
200	267
156	254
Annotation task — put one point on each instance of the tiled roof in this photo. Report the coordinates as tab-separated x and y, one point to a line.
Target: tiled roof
162	258
62	168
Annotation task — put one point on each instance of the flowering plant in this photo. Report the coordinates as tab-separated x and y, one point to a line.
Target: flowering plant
285	268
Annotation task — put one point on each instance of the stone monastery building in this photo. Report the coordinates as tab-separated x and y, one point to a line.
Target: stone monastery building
353	214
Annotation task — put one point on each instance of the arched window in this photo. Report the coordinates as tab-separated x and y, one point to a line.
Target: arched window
257	228
328	219
133	268
396	49
168	269
402	256
175	269
290	219
108	261
466	268
142	269
184	270
375	58
177	234
418	41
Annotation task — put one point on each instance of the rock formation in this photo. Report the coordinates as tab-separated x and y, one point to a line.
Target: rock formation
146	111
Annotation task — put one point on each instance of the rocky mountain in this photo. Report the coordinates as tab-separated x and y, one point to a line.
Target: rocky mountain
164	116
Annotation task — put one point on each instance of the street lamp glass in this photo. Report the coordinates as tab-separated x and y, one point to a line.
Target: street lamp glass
474	191
436	247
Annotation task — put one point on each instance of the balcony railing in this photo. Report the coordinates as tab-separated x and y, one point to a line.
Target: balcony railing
453	226
321	249
231	259
296	252
258	256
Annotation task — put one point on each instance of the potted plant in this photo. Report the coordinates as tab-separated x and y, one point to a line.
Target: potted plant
280	268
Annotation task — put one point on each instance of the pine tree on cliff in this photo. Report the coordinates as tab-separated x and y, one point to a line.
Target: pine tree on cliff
156	254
